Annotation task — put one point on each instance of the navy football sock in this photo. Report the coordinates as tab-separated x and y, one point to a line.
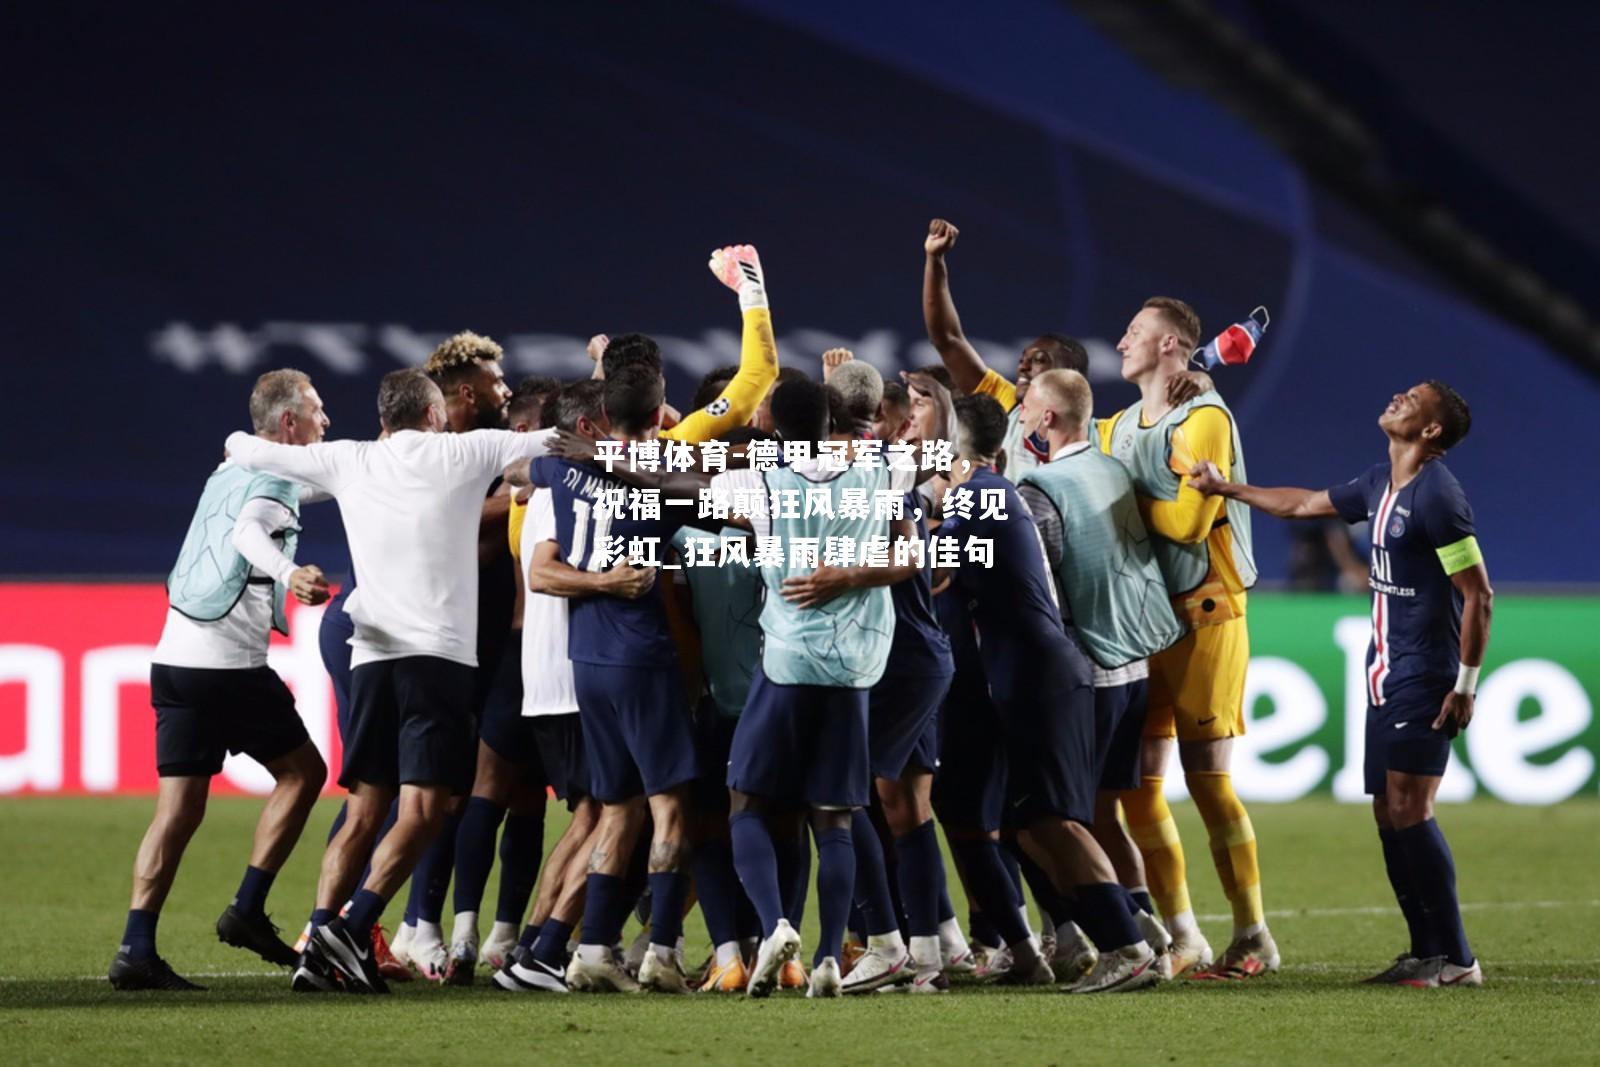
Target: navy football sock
366	908
947	909
550	948
1142	901
746	922
338	821
1009	860
668	892
323	916
139	936
521	852
718	889
1394	861
430	881
919	873
836	877
1050	902
794	874
1433	876
981	929
993	889
757	865
605	909
530	934
871	891
252	895
475	851
1103	913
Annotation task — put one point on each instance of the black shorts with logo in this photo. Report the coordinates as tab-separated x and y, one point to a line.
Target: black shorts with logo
559	739
412	723
203	713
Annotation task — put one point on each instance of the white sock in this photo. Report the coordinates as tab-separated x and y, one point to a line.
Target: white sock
1182	926
891	943
951	939
594	955
1242	932
727	952
504	932
925	953
663	952
465	928
428	932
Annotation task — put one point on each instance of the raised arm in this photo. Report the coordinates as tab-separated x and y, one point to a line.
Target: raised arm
966	367
1285	503
739	268
317	466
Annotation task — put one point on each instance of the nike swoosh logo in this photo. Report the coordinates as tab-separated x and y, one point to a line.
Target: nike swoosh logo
1399	725
1205	722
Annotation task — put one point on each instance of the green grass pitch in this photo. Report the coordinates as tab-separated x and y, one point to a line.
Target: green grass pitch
1528	877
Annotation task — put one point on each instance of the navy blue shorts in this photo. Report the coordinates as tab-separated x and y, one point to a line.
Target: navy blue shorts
802	744
411	723
969	792
713	739
333	638
502	726
1401	737
1051	751
903	723
637	733
559	739
202	714
1119	714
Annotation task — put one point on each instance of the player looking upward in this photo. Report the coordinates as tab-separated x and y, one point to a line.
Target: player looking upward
1431	608
1197	685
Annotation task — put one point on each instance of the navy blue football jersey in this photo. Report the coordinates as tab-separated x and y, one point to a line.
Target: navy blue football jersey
607	630
1420	536
920	646
1020	638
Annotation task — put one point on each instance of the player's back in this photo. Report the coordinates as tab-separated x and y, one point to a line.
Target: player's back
1012	605
411	506
595	535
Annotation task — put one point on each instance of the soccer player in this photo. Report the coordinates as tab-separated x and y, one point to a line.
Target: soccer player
1042	686
411	506
1197	685
723	601
637	731
968	372
802	737
903	735
1431	607
1113	601
213	692
550	706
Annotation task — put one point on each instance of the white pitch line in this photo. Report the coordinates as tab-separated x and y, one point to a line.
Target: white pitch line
1393	909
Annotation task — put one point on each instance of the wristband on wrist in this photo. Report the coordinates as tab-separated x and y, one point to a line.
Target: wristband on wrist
1467	680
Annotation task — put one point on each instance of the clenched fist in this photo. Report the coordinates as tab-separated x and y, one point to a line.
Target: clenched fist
941	238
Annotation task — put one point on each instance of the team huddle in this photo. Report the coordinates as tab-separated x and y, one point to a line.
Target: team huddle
793	627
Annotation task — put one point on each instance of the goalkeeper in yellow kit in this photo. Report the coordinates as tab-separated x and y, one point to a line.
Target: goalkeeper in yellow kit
1197	686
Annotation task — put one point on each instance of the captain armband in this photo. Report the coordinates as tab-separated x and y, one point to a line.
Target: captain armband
1461	555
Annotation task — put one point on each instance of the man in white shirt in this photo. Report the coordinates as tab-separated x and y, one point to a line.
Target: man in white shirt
411	506
213	692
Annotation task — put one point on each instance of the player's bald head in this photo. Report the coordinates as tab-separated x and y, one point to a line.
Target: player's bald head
1066	393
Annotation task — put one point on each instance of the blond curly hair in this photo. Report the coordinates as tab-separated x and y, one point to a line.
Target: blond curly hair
460	352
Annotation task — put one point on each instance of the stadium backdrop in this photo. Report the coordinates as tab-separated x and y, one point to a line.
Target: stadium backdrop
574	184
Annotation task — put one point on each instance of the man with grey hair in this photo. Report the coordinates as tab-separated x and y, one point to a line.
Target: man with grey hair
411	505
213	692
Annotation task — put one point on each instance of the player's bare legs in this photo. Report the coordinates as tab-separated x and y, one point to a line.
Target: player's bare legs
180	808
604	909
298	777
